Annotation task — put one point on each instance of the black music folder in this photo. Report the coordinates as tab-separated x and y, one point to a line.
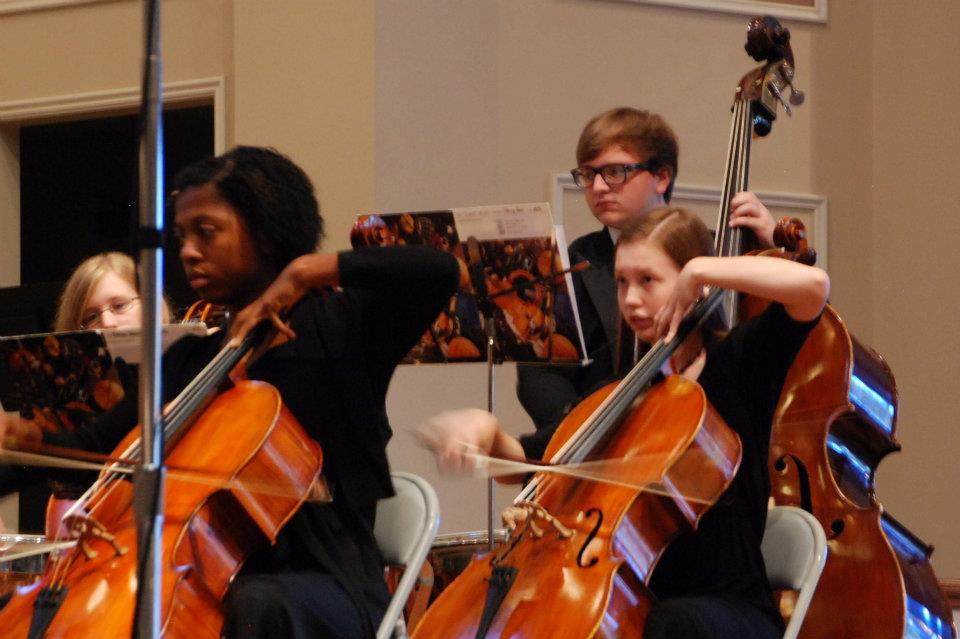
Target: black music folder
66	379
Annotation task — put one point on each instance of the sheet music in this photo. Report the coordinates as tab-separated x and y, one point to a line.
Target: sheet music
66	379
507	222
518	254
125	342
561	237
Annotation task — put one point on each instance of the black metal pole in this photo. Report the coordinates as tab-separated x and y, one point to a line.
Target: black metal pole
148	478
491	335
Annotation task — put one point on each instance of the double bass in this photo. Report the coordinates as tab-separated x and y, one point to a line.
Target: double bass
835	421
230	491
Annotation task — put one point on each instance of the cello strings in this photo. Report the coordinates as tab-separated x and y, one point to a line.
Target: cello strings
602	419
175	414
597	471
608	413
174	417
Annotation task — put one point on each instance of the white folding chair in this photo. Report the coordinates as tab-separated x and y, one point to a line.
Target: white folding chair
405	527
794	550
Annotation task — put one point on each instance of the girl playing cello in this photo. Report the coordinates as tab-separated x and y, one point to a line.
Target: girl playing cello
248	223
710	582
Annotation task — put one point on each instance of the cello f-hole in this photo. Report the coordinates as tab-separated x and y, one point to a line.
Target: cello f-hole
590	537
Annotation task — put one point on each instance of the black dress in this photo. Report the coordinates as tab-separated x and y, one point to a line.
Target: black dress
324	576
713	579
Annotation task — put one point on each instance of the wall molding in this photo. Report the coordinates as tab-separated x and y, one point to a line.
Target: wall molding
951	588
816	205
95	102
23	6
815	13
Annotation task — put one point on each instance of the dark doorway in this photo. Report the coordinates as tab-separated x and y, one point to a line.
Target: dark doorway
78	192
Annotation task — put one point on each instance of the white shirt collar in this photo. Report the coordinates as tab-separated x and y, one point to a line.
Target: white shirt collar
614	234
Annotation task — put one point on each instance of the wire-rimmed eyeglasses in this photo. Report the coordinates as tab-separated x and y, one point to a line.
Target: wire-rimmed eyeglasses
583	176
93	319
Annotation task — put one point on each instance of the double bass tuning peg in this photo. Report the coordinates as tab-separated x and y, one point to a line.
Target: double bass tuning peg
796	96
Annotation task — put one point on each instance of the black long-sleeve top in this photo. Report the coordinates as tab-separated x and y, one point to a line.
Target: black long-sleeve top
742	379
334	380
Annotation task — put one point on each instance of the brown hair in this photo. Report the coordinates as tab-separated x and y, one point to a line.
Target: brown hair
85	278
682	235
642	132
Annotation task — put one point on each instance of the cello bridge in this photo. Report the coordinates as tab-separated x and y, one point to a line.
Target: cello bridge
529	514
84	528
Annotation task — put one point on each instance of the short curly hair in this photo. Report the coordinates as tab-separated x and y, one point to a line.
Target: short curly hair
273	195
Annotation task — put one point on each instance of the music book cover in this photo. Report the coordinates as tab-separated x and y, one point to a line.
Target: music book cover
513	253
66	379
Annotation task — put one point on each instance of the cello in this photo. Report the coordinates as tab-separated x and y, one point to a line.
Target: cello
835	422
219	508
591	547
199	312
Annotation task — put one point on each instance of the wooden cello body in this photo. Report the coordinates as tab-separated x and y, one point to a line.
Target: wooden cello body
579	565
244	467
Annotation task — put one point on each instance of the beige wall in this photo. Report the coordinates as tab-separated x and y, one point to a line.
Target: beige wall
303	82
66	54
394	105
9	208
915	192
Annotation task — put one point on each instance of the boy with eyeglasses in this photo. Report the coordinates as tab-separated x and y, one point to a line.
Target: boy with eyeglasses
626	166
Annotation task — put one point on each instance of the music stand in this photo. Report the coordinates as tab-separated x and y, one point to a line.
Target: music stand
516	298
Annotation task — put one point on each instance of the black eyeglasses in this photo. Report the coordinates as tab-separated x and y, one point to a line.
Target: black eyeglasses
583	176
93	319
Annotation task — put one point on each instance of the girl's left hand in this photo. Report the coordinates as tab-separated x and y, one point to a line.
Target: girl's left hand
747	211
686	293
272	305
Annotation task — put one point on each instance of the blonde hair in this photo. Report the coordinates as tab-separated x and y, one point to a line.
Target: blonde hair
84	280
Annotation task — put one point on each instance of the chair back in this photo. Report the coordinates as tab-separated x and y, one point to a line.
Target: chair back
794	550
405	527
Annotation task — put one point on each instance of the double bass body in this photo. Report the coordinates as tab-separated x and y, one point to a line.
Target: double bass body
835	422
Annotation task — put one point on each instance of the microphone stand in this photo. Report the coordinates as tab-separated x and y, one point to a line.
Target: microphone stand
494	356
149	475
485	304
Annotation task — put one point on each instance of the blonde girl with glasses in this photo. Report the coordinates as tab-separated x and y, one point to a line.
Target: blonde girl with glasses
102	293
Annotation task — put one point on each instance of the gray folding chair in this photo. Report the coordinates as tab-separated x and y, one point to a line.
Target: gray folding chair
405	528
794	551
